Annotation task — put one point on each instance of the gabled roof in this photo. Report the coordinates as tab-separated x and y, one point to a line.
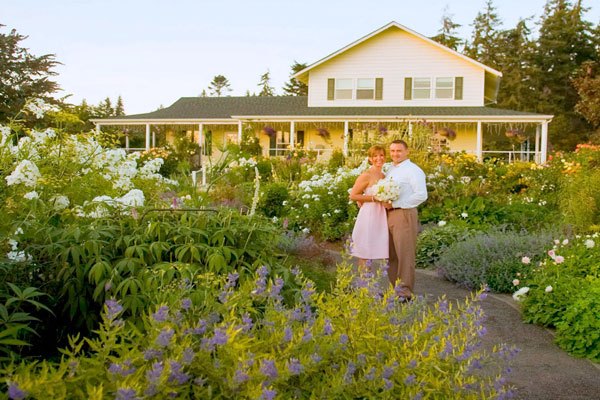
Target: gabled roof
302	75
232	109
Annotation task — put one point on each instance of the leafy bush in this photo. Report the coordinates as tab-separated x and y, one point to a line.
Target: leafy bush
128	259
578	332
273	198
494	259
434	240
563	293
208	341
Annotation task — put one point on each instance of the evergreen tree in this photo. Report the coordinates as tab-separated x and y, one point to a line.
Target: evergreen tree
265	85
203	94
515	62
23	76
106	109
564	43
219	86
119	108
294	87
484	43
447	33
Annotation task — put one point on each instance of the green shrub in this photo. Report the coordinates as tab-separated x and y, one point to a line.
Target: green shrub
563	293
128	259
494	259
208	341
578	332
336	160
272	200
432	242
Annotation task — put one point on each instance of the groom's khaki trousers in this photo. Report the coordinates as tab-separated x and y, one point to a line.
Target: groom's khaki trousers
404	228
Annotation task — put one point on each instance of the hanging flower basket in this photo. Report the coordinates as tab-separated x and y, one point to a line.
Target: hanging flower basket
324	133
447	133
269	131
516	134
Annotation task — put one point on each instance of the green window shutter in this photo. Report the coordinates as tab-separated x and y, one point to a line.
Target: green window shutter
330	89
378	88
458	88
407	88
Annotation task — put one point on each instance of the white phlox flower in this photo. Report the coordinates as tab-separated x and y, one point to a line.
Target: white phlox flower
26	173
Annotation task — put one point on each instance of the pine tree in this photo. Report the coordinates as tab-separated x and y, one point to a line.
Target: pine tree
219	86
447	33
106	108
203	94
515	62
119	108
564	43
23	76
294	87
484	44
265	85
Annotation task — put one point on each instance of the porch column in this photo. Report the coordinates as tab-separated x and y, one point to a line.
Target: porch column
153	139
127	141
147	136
201	144
292	135
544	143
98	130
410	132
346	139
479	143
536	158
240	132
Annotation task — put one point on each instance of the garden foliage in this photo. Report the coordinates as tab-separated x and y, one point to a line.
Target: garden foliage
216	337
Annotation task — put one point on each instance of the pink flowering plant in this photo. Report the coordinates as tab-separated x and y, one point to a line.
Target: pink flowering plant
216	337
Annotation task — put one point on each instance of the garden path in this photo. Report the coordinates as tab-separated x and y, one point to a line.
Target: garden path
541	370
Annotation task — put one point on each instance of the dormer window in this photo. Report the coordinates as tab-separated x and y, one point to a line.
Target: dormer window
343	89
365	89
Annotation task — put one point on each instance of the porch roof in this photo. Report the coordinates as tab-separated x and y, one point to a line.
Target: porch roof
232	109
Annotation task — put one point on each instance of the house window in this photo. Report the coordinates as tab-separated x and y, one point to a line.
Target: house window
343	89
444	88
421	88
365	89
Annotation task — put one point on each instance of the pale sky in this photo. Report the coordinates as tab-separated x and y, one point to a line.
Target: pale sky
154	52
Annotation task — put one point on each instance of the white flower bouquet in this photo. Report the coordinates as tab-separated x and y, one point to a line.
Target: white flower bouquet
386	190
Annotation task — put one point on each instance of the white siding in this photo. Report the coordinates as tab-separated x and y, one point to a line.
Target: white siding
394	55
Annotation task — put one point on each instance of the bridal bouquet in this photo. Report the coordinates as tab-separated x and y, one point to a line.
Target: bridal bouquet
386	189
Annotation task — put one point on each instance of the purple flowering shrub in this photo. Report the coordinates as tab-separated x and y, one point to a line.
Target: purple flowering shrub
218	337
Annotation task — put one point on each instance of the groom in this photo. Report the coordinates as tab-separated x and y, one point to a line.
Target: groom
403	219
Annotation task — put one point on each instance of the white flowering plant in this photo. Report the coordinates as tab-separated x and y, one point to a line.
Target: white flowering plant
386	190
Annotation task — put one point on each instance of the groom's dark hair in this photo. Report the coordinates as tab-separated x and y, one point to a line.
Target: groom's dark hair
402	142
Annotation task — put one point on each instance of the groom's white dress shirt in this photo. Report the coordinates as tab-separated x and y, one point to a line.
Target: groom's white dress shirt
411	179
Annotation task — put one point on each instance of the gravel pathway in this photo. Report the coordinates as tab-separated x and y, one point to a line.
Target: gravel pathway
541	370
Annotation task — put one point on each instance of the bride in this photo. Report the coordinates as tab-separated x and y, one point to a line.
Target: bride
370	237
